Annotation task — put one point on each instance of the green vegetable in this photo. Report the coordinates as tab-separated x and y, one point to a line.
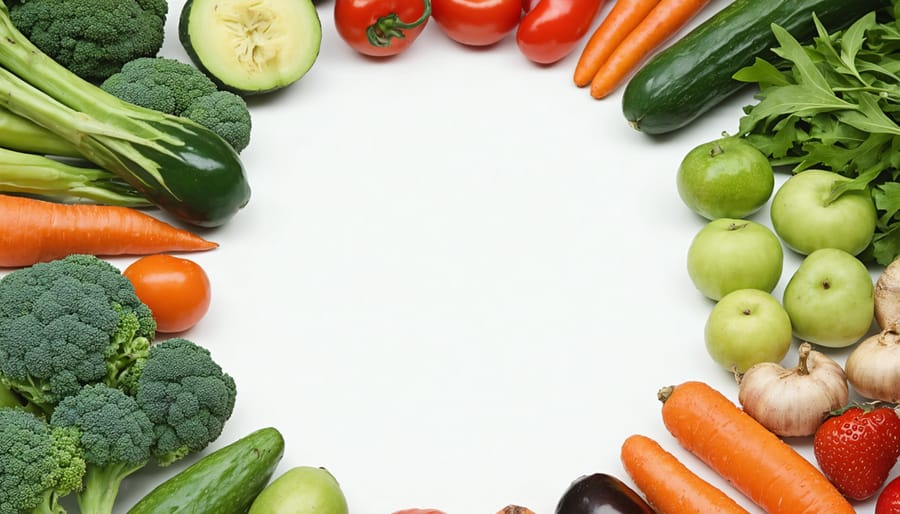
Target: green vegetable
178	88
38	464
251	46
115	436
68	323
93	38
694	74
835	106
175	163
225	481
301	490
186	395
51	179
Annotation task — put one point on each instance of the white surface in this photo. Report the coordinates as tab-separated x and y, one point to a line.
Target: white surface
460	281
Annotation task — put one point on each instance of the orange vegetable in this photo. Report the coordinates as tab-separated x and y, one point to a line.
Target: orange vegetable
668	484
621	20
754	460
663	21
37	231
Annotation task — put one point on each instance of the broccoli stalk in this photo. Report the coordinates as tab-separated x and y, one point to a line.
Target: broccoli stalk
176	163
39	464
50	179
115	435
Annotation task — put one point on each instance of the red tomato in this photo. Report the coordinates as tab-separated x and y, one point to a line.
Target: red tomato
552	28
477	22
176	290
889	498
380	28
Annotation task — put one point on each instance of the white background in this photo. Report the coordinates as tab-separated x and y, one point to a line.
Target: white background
460	280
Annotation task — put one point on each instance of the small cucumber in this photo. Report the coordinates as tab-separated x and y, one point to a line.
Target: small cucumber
251	46
225	481
695	73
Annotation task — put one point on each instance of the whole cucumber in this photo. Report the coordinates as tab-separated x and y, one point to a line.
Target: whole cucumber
225	481
692	75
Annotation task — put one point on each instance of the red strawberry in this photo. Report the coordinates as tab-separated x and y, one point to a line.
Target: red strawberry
857	448
889	499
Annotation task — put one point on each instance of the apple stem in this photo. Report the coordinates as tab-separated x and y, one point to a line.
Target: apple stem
716	150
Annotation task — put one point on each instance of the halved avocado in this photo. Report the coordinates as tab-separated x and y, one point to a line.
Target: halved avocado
251	46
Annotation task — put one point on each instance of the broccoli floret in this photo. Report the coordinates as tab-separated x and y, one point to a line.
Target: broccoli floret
115	436
159	83
174	87
39	464
186	395
93	38
67	323
224	113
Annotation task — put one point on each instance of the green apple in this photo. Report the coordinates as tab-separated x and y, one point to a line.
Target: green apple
730	254
725	178
806	216
746	327
830	299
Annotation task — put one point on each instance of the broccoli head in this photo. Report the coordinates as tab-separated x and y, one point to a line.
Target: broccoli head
159	83
67	323
38	463
186	395
224	113
174	87
93	38
115	436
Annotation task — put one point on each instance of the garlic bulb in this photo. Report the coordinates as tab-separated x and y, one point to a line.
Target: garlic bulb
794	402
873	367
887	297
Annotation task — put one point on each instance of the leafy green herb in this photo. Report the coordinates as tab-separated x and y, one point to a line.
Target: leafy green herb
835	104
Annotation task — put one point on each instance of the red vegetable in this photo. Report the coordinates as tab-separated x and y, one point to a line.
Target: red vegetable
476	22
380	28
176	290
889	499
552	28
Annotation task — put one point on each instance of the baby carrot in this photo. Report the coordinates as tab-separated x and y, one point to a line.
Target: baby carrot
36	231
659	25
622	19
754	460
668	484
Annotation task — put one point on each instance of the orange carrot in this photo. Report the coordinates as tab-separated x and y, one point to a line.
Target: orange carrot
33	231
754	460
668	484
621	20
663	21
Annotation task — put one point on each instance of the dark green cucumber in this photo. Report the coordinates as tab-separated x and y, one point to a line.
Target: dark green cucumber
225	481
694	74
251	46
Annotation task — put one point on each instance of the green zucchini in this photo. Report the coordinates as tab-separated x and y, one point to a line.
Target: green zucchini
251	46
225	481
694	74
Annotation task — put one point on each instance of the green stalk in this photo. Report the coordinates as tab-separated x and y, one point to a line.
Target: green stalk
175	163
17	133
101	486
53	180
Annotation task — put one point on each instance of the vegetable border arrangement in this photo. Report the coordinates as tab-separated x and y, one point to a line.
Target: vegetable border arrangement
109	149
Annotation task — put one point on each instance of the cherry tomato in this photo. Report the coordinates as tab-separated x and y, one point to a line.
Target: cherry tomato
176	290
477	22
552	28
889	498
380	28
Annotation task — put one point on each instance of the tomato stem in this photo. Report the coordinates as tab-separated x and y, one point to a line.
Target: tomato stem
389	26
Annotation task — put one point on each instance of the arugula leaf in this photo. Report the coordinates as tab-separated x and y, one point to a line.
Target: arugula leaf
834	104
